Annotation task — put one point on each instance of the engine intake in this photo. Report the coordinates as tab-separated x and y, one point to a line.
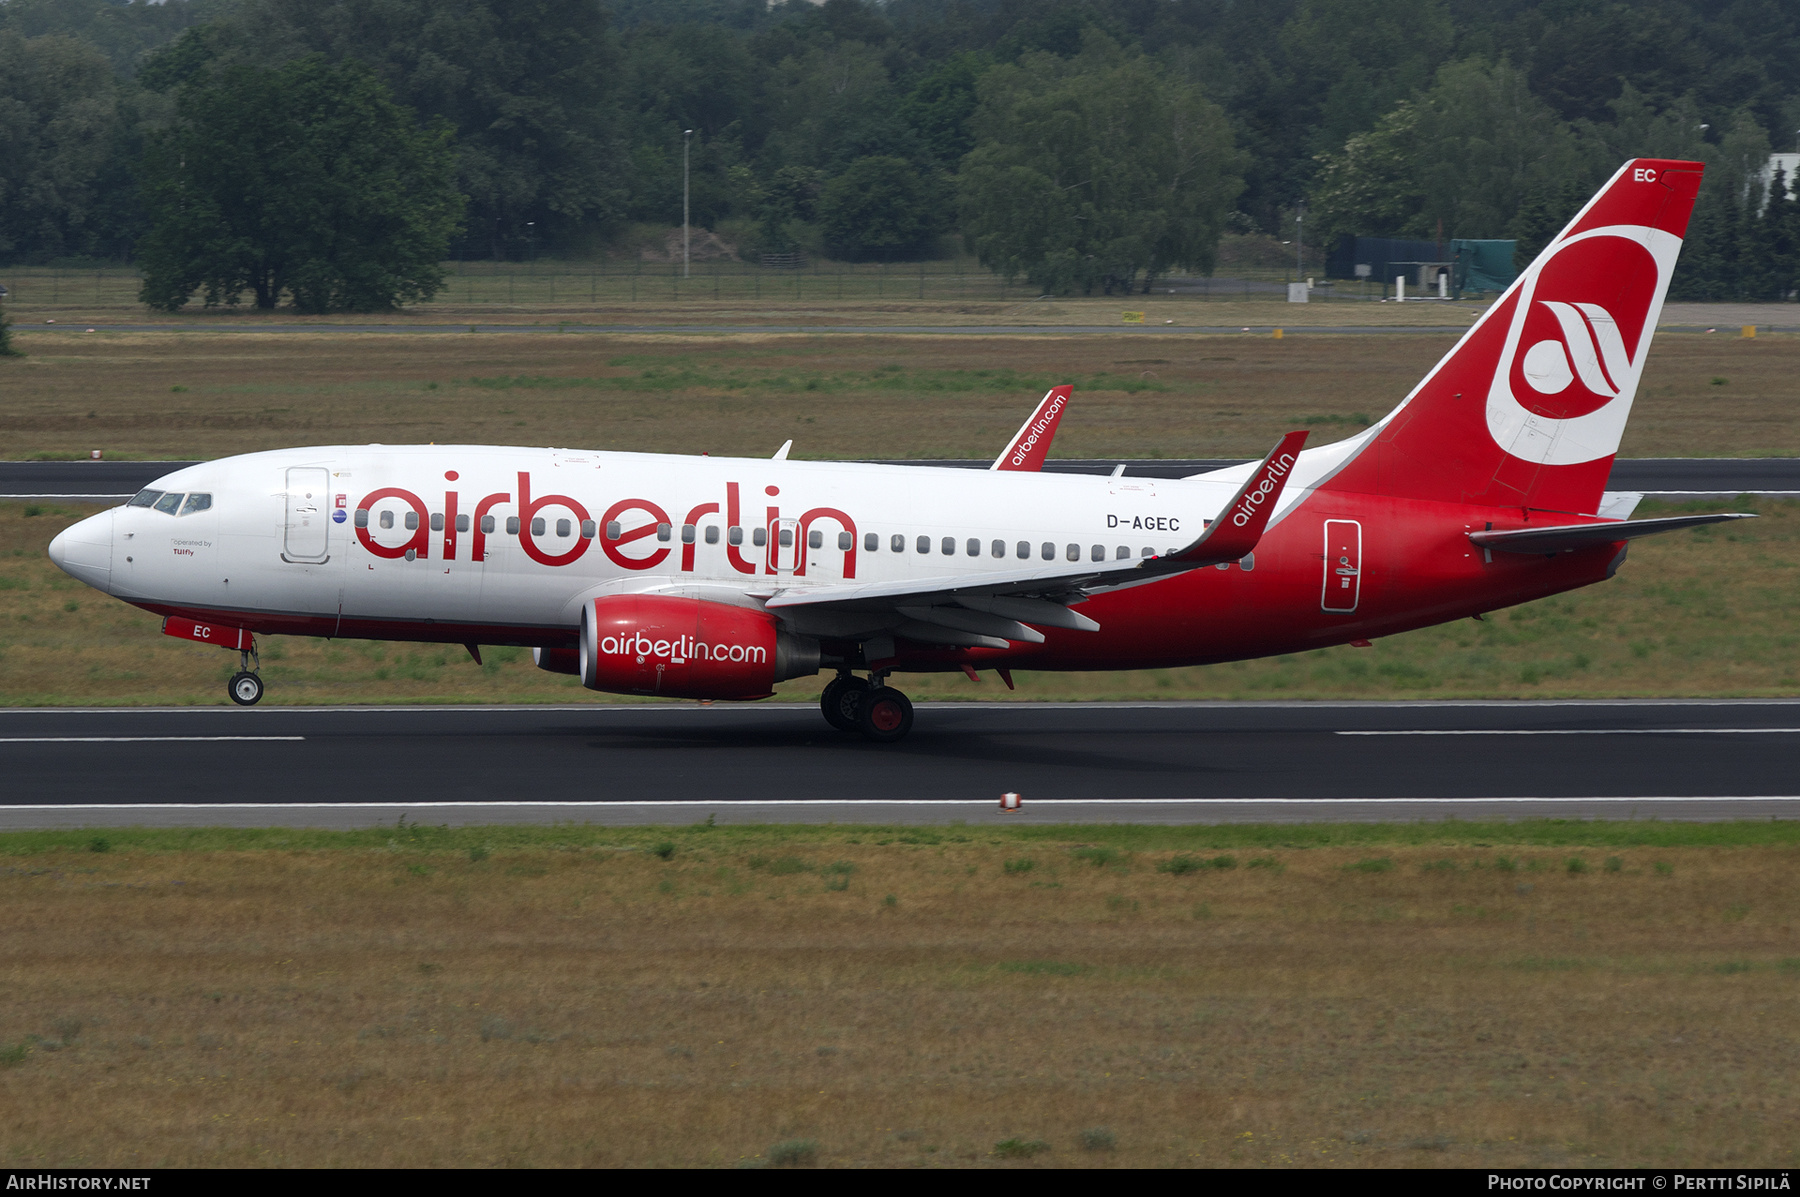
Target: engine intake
688	648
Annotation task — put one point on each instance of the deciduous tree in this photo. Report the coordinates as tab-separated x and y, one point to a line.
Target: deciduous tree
308	181
1096	172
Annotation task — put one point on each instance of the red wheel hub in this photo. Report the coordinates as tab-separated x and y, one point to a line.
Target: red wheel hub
884	716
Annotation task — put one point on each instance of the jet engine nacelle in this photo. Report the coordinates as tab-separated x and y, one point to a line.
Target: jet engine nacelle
687	648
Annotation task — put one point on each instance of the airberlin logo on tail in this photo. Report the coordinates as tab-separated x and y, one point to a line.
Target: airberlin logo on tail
1246	509
1576	333
1590	349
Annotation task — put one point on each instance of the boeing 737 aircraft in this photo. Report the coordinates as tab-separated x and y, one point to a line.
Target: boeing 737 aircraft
716	578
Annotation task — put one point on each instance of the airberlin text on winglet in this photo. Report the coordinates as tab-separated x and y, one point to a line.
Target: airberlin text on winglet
1246	506
1037	428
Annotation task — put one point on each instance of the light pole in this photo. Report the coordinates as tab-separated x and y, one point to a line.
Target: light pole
687	140
1300	241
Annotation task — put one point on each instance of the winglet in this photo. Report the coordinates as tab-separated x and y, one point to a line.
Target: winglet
1241	522
781	453
1031	444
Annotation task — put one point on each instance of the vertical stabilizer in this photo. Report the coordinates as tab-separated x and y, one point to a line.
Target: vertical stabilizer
1528	408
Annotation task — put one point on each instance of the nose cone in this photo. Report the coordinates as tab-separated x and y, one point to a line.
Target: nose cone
84	551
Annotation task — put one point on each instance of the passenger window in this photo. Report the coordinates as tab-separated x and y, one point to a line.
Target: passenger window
613	531
462	523
999	548
734	535
1148	553
387	519
871	542
1024	550
169	504
145	498
816	540
537	526
412	520
487	525
664	532
924	544
1074	552
1122	553
196	503
973	548
362	517
712	534
787	538
687	534
846	541
1247	562
562	527
1049	553
949	546
437	521
1097	553
759	537
512	525
897	543
587	529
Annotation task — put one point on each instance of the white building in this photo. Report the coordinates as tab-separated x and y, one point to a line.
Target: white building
1789	165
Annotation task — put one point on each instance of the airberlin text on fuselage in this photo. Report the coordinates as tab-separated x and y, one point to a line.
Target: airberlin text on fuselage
528	507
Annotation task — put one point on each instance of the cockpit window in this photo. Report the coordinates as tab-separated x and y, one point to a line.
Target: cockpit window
145	498
196	502
169	504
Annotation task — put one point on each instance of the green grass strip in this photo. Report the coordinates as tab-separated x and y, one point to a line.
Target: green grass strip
1545	833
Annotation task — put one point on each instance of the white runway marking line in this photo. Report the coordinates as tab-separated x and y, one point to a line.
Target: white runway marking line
714	805
138	739
1591	731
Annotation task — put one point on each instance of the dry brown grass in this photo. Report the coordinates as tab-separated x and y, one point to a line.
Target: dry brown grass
838	396
1454	1005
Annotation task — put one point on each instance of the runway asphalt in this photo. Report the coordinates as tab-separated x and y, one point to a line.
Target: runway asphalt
1097	762
1671	477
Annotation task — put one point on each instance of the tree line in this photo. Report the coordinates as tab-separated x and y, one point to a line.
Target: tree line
333	153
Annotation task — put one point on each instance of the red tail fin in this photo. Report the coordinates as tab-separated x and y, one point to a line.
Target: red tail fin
1528	409
1031	445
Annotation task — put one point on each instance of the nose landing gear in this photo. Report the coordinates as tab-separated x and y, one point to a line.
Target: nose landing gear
246	686
880	712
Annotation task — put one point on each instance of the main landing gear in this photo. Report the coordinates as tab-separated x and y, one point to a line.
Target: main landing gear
246	686
880	712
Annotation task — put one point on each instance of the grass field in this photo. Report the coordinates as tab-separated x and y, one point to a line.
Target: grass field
1708	613
1534	994
189	395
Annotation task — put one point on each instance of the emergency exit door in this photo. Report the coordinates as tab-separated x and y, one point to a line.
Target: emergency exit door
1343	565
308	515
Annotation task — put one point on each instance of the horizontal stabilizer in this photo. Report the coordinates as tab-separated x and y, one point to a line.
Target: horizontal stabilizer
1567	537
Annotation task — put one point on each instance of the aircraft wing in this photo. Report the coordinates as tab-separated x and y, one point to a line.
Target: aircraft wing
1031	444
990	609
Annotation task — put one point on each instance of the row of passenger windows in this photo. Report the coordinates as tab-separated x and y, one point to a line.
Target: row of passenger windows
171	502
946	546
